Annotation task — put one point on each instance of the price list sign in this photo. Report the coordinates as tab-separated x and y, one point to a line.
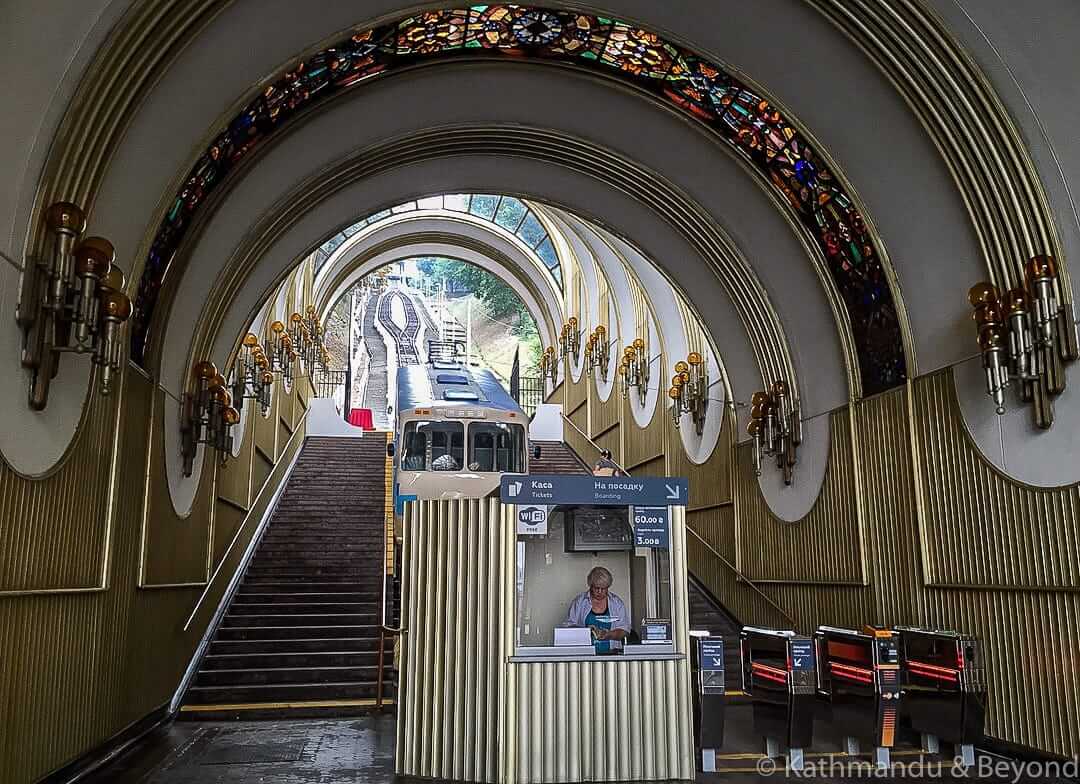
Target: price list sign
651	527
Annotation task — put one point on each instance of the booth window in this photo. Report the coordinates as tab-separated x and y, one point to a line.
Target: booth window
555	558
433	446
496	446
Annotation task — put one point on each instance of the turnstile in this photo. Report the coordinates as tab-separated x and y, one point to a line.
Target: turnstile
778	675
944	689
707	660
858	673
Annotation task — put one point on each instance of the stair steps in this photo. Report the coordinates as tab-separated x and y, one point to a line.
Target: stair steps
301	634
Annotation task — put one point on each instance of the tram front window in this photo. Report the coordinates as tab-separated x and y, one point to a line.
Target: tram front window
496	446
433	446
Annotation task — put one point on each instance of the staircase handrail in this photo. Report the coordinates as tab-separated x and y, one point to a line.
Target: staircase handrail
697	536
595	445
740	575
385	630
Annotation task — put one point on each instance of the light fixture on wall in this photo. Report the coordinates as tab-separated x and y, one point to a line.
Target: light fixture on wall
72	302
634	369
306	339
598	352
207	417
570	339
549	365
252	378
776	428
1025	336
689	390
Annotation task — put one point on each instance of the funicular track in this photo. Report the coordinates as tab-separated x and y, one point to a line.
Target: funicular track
406	339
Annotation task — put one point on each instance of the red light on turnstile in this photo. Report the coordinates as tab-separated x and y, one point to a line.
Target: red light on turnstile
933	671
852	673
959	658
769	673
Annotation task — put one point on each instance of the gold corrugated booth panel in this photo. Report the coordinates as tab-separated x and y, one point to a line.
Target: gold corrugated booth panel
466	712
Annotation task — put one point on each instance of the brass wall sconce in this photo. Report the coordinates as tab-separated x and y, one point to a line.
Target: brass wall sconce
1025	336
689	390
598	352
570	339
306	339
252	376
549	365
207	417
634	369
72	302
776	428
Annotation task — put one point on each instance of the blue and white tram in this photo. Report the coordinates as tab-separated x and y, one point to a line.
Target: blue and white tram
457	431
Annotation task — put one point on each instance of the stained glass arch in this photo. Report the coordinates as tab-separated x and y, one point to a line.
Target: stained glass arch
507	212
759	132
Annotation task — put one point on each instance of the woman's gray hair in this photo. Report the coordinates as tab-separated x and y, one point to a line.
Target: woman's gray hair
600	577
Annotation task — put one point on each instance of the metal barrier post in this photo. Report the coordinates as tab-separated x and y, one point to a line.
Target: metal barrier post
707	659
779	676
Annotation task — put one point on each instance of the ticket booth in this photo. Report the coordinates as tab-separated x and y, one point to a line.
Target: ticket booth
511	672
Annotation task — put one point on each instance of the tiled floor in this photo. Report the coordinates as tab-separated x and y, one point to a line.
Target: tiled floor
361	749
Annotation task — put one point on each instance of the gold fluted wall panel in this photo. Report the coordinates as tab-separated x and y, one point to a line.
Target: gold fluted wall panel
826	545
234	478
576	391
456	593
906	438
710	482
604	414
1014	536
54	532
647	443
176	549
76	669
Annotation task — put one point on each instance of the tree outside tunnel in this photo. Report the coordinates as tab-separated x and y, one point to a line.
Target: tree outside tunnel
501	327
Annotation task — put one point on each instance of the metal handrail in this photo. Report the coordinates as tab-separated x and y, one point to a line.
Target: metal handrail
740	575
384	630
595	445
698	536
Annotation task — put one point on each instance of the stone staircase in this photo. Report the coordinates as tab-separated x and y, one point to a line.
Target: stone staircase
556	457
301	635
376	390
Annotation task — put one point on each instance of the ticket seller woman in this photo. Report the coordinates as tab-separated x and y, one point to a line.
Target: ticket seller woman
600	610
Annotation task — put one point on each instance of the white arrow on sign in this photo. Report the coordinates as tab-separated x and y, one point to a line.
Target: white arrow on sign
798	663
672	492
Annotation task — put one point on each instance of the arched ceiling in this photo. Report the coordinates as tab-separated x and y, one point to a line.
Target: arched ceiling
165	70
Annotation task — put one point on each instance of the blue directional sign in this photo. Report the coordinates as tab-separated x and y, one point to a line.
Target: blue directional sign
651	528
711	655
593	490
802	655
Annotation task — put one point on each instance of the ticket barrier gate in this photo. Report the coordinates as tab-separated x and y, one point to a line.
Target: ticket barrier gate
707	659
858	674
944	688
778	676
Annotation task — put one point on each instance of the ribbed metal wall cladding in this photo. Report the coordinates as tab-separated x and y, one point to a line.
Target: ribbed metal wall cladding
640	445
576	392
604	414
77	669
54	532
174	550
1028	628
1014	536
457	600
468	713
710	482
826	545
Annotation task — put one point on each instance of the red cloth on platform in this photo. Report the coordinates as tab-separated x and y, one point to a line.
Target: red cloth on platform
361	417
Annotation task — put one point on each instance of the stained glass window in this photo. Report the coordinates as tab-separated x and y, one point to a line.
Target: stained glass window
508	212
511	213
745	120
